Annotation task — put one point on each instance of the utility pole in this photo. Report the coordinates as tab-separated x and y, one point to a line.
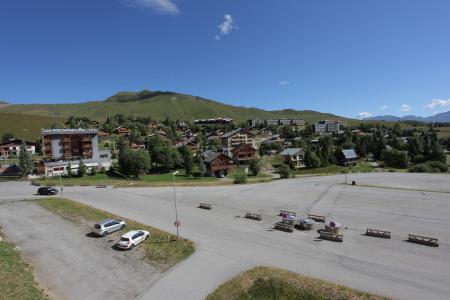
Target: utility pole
60	187
175	202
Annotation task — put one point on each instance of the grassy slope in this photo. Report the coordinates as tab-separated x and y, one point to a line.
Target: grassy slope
159	251
270	283
25	126
146	180
159	105
16	276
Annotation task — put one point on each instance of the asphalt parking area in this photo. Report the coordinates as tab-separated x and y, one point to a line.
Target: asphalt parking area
70	262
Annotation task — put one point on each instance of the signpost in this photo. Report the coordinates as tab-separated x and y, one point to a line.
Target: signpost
177	222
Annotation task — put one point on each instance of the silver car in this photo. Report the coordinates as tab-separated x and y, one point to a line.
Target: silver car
106	226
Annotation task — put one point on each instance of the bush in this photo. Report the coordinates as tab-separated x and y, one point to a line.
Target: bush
430	166
254	166
395	158
440	166
284	171
240	177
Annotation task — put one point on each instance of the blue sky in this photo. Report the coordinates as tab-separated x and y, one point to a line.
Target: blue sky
345	57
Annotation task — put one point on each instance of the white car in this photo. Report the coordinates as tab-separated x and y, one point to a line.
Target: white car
107	226
132	238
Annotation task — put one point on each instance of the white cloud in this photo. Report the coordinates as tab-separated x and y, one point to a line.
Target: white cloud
226	27
438	103
159	6
284	82
364	114
405	108
384	107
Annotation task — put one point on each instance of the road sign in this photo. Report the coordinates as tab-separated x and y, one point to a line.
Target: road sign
177	223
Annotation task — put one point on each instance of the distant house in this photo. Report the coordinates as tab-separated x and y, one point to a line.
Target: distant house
136	146
218	164
348	158
294	157
243	153
121	130
13	148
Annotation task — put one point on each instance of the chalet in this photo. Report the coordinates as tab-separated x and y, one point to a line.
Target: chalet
234	138
121	130
243	153
136	146
294	157
218	164
95	124
348	158
13	148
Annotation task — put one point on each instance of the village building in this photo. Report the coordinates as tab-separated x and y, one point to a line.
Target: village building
234	138
294	157
218	164
214	121
348	158
61	146
243	153
121	130
12	148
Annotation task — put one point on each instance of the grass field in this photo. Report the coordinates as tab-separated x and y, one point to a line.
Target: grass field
277	284
16	276
161	250
25	126
335	169
146	180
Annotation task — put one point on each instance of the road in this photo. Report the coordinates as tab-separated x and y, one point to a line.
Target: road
228	244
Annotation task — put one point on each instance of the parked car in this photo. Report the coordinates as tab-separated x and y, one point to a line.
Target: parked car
132	238
47	190
106	226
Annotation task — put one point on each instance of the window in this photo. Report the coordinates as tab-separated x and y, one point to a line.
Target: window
104	155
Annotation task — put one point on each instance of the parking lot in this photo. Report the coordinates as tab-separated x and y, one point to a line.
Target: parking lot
228	244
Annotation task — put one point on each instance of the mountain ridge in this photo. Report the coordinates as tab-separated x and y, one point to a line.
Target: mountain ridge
440	117
160	105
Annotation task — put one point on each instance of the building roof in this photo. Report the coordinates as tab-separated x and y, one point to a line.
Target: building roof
231	133
291	151
349	154
213	157
207	153
58	131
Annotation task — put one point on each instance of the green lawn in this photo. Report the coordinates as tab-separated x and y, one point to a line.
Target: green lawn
16	276
277	284
335	169
161	250
146	180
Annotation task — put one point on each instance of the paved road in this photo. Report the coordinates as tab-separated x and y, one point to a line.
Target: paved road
228	244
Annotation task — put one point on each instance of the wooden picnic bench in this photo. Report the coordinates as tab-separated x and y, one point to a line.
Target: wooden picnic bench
286	212
205	206
317	218
284	226
424	240
378	233
252	216
331	236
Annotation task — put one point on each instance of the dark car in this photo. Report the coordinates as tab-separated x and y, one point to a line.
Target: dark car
47	191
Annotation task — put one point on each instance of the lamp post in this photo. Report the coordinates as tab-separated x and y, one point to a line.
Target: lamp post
175	202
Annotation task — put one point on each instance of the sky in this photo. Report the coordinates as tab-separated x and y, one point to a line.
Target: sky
354	58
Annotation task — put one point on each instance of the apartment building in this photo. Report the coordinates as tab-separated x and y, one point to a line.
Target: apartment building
61	146
234	138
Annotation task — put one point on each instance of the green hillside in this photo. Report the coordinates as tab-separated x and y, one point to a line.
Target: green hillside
159	105
24	126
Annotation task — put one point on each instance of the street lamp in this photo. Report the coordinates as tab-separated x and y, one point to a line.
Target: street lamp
177	223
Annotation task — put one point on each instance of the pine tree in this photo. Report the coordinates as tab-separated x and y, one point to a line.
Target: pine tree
25	161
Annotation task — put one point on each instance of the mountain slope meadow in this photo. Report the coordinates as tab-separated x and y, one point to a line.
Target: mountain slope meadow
159	105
